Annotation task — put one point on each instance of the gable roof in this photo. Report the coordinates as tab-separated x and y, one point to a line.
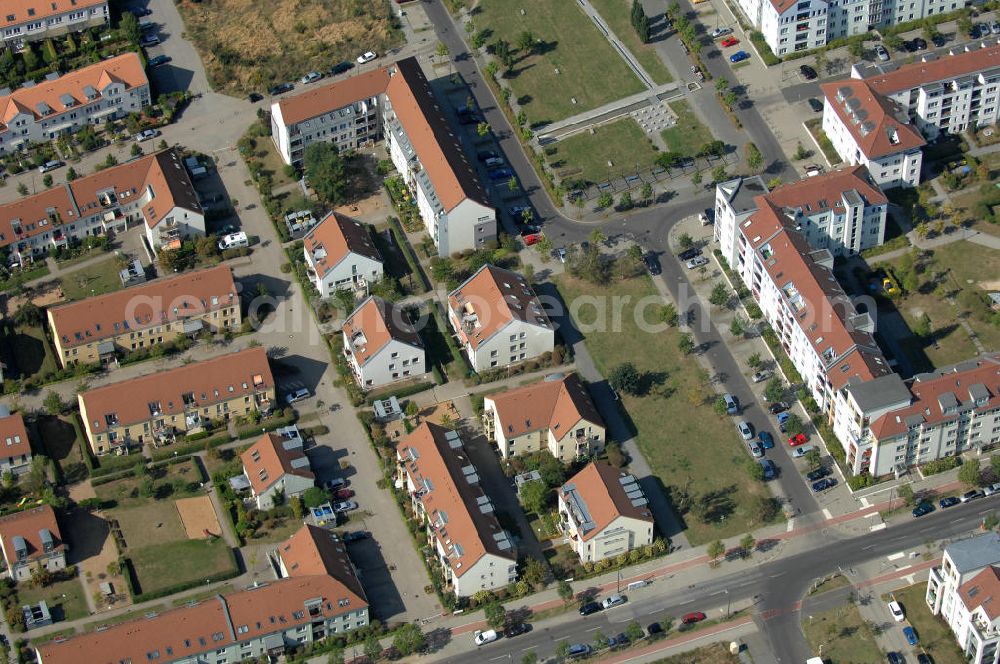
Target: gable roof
826	191
152	303
28	526
13	437
493	297
599	494
934	69
212	381
334	237
15	12
313	551
321	99
458	511
983	590
269	459
437	147
72	87
556	404
373	325
871	119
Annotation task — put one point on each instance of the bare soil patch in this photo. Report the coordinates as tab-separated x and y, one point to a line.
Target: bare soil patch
198	516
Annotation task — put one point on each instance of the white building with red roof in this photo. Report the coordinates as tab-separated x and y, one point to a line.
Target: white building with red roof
31	539
15	448
59	105
340	255
381	345
24	21
277	468
869	129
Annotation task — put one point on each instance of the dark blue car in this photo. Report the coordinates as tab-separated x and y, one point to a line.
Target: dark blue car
770	470
922	509
823	484
950	501
739	56
766	440
501	174
911	636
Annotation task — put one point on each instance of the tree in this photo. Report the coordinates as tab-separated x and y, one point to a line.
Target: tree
525	41
535	573
696	178
314	496
894	42
110	161
71	174
512	183
625	378
755	160
565	591
685	241
562	650
736	327
501	49
129	28
991	522
754	470
22	189
604	201
775	389
813	459
720	294
295	503
774	183
325	171
793	425
336	656
634	631
625	201
544	248
686	344
716	549
53	403
597	236
442	49
600	640
906	493
748	543
930	31
969	474
965	25
495	614
754	361
28	314
409	639
529	657
721	85
373	649
534	496
483	129
668	314
719	406
647	192
47	180
719	173
856	48
923	326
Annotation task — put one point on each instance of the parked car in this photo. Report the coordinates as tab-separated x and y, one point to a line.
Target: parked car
760	376
139	12
756	451
689	253
950	501
746	431
517	629
50	166
911	636
729	41
501	174
367	56
815	104
343	494
561	254
808	72
918	44
897	611
739	56
234	241
654	628
483	637
341	67
652	265
589	608
777	407
783	417
692	618
732	403
818	474
488	154
800	452
971	495
923	658
467	117
991	489
345	506
334	483
893	657
881	53
995	27
146	134
770	470
158	60
311	77
254	97
531	237
354	535
281	88
721	32
922	508
824	484
697	261
798	439
149	40
148	26
613	601
766	439
297	395
577	650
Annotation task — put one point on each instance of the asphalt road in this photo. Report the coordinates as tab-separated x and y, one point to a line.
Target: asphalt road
776	588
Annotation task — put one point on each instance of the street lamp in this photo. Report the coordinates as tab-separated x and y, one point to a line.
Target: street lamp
619	581
727	603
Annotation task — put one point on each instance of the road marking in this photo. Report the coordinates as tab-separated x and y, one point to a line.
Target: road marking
878	526
910	579
900	569
984	512
775	576
827	514
593	629
791	524
896	556
864	502
870	515
493	659
866	548
533	647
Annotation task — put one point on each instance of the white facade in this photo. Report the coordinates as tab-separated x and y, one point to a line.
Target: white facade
351	272
620	536
514	342
348	127
179	224
395	361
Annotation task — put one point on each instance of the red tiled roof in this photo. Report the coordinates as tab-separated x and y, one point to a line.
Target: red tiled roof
269	455
15	12
983	590
380	322
496	297
337	237
28	525
13	437
313	551
604	496
823	192
556	405
870	118
943	68
322	99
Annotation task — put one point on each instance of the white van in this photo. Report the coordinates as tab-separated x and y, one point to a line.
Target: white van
234	240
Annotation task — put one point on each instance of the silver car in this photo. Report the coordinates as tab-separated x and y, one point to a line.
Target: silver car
746	431
698	261
754	448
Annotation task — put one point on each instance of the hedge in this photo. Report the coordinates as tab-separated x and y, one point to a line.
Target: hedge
263	426
191	447
940	465
115	464
411	260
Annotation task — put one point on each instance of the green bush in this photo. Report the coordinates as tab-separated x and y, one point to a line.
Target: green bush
940	465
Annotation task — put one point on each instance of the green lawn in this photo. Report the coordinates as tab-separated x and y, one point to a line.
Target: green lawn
99	278
165	565
616	14
590	70
698	451
935	636
585	156
64	598
689	134
716	653
844	635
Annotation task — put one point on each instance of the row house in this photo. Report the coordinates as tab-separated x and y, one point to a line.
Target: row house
604	513
315	595
154	191
340	255
23	21
102	328
843	211
498	319
60	105
30	540
381	345
474	551
556	414
15	448
156	407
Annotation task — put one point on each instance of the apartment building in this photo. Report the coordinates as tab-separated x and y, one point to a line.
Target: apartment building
381	345
792	26
498	319
943	94
277	468
156	407
604	513
23	21
340	255
475	553
41	112
964	590
843	211
31	539
105	327
345	113
154	190
316	594
556	414
15	448
869	129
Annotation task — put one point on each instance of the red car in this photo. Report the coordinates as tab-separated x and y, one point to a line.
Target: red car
691	618
730	41
531	239
798	439
343	494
